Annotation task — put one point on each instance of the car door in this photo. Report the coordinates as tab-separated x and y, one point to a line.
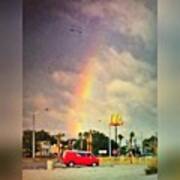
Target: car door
81	159
89	159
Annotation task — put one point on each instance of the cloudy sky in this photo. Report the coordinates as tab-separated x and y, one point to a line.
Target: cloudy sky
87	59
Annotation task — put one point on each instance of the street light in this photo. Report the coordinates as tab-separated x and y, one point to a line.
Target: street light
33	133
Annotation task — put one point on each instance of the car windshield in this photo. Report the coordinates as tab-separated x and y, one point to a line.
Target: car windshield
82	154
89	154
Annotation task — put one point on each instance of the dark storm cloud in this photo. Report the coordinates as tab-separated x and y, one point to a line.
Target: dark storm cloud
42	37
136	45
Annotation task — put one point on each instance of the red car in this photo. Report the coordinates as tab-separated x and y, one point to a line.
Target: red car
72	158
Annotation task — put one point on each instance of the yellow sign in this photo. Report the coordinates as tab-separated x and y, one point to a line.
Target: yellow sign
116	120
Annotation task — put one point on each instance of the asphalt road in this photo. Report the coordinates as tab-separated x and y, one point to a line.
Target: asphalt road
118	172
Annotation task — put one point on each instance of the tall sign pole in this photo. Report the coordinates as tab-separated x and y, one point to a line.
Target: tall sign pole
116	120
116	132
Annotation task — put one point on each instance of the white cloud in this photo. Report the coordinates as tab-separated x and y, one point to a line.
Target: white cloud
130	91
124	66
121	80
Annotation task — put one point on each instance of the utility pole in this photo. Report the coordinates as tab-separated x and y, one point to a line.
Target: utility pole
34	133
33	136
142	149
115	127
109	140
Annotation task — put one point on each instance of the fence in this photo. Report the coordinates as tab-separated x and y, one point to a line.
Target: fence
127	160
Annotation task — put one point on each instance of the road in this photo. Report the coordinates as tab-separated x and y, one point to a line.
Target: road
118	172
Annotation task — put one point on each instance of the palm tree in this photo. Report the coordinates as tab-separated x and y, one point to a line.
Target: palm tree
131	136
120	136
59	138
81	140
86	136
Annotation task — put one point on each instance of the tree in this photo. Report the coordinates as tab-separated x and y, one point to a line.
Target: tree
27	143
150	145
120	137
131	150
132	135
99	142
86	135
40	136
80	135
59	139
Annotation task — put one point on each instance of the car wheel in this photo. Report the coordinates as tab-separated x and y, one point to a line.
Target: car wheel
94	164
71	164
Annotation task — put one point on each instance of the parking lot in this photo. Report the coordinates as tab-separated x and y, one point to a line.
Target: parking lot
116	172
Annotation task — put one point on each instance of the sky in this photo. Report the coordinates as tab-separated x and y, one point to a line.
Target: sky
88	59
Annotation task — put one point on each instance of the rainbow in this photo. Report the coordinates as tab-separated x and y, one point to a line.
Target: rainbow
85	86
83	91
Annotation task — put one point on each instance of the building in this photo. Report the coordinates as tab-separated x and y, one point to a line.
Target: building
43	148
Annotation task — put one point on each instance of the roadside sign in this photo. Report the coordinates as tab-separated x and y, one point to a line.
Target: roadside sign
103	151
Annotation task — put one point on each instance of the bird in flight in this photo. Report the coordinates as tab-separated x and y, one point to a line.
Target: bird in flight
76	29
